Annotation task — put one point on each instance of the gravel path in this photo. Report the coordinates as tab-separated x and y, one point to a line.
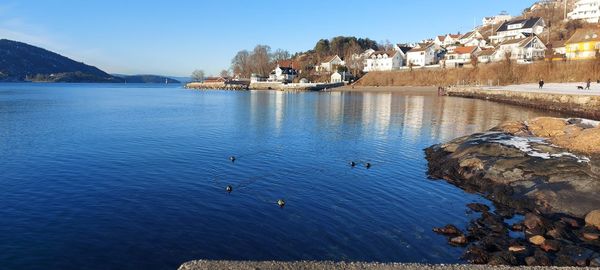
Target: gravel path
244	265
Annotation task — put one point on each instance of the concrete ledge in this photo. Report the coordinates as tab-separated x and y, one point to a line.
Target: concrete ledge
586	106
306	265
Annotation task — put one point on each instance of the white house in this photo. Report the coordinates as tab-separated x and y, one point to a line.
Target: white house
587	10
460	56
486	56
473	38
558	47
452	39
517	29
524	49
330	64
338	77
422	56
283	74
493	20
384	61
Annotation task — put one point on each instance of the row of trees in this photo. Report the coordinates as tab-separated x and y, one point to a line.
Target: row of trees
260	61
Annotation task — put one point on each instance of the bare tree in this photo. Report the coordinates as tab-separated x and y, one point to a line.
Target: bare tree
261	60
353	58
198	75
241	64
224	73
280	55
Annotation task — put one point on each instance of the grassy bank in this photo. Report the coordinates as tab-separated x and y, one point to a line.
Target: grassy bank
503	73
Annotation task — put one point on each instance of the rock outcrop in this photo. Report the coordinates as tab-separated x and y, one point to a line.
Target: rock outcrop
548	165
548	171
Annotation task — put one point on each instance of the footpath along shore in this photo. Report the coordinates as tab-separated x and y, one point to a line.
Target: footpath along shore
561	97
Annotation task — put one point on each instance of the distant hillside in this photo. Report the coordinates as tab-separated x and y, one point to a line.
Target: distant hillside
146	79
23	62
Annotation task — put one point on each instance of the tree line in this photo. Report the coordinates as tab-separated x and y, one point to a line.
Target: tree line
262	59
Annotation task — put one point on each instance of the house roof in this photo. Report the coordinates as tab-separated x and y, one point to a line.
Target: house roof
404	48
288	63
331	58
522	42
441	38
465	50
585	35
389	53
420	49
467	35
487	52
455	36
526	23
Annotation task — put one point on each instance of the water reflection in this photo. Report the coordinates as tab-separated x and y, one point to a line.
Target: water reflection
410	116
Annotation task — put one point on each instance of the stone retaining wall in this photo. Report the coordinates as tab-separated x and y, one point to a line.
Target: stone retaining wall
576	105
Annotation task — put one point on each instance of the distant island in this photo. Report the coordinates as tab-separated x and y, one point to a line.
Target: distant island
146	79
21	62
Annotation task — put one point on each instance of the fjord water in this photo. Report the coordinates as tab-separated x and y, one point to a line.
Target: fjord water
134	177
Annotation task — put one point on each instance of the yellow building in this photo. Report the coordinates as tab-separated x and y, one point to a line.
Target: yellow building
583	45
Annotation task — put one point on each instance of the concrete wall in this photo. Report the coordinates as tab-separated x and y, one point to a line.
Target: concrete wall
575	105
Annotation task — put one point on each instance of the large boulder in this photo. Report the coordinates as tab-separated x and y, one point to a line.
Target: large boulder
549	165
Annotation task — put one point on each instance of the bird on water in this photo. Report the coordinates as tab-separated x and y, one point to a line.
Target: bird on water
232	158
281	203
229	188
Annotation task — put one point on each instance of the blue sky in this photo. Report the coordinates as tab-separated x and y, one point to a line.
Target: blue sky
175	37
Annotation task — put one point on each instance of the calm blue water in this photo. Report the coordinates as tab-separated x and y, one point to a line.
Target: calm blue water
113	177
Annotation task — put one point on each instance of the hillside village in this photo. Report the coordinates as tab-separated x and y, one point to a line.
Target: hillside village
550	30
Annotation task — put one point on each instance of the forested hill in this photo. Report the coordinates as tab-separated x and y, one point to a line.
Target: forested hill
146	79
23	62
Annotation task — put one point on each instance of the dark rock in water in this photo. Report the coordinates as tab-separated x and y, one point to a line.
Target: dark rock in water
539	258
476	255
532	221
517	227
448	230
591	236
571	222
460	240
503	258
505	212
478	207
550	245
573	256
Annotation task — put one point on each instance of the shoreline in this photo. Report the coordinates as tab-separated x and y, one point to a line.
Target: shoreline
579	104
544	170
429	90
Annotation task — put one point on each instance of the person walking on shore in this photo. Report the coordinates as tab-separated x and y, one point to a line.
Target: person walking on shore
588	84
541	83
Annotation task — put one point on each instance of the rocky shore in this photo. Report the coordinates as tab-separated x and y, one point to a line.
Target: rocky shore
543	177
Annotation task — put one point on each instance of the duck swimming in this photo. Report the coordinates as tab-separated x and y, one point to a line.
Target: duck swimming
368	165
281	203
232	158
352	164
229	188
